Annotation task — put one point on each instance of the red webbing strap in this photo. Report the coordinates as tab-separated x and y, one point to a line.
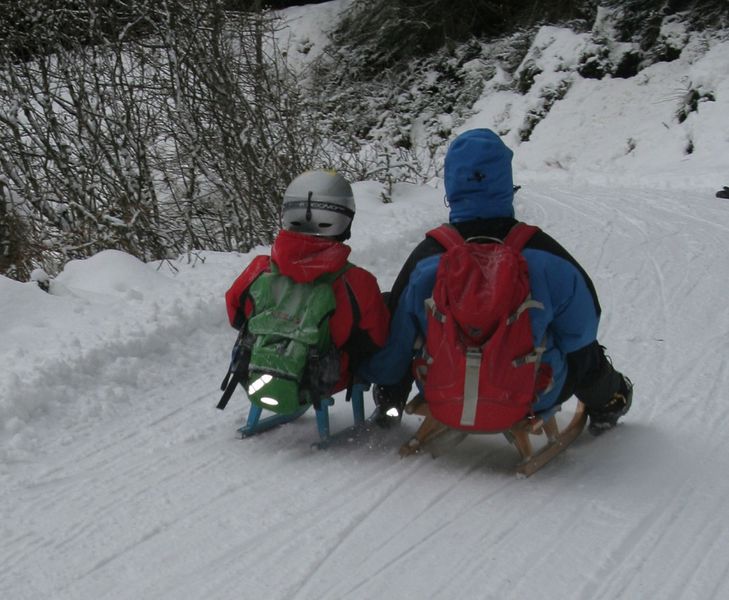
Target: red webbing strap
519	235
446	235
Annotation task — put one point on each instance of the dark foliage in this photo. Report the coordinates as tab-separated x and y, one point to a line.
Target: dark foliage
34	27
641	19
264	4
391	31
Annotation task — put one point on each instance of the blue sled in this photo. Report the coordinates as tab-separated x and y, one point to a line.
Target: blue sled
255	424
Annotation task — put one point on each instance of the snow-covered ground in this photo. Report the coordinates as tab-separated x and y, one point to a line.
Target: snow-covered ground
120	480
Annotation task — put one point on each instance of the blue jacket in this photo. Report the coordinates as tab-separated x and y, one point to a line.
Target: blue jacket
479	188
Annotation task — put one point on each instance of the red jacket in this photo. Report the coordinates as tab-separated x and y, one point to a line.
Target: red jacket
303	258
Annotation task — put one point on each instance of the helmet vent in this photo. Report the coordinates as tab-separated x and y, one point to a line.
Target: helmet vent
308	206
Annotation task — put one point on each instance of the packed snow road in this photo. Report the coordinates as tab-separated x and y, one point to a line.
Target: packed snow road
120	480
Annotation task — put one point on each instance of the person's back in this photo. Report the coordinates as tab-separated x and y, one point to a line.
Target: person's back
309	253
479	190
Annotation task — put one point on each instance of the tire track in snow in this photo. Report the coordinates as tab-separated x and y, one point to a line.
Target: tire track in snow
667	245
166	504
359	520
621	574
388	560
684	248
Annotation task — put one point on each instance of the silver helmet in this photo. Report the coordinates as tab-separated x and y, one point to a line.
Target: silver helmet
318	203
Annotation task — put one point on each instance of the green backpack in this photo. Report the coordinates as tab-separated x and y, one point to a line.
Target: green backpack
285	357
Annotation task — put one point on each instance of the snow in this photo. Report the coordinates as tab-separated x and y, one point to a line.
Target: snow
120	480
303	30
619	129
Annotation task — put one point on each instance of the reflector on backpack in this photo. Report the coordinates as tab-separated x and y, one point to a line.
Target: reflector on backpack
470	387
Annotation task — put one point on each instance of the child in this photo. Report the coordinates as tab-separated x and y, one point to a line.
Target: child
317	212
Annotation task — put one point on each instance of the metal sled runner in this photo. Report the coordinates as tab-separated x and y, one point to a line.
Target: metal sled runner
255	424
531	461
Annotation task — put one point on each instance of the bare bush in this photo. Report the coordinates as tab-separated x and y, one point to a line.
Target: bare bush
178	138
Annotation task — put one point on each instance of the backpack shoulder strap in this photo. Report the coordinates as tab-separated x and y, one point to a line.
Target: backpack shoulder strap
334	275
446	235
519	235
356	310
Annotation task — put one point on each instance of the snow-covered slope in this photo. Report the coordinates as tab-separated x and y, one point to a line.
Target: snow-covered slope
619	130
120	480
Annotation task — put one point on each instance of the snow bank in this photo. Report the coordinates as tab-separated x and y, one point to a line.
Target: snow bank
104	318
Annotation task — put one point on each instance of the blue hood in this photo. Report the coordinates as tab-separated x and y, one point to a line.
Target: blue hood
478	179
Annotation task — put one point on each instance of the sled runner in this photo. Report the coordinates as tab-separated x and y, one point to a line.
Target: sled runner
431	432
255	424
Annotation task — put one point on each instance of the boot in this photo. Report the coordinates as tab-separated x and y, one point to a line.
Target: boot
606	417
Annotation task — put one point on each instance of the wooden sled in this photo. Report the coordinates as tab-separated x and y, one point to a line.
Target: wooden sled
519	435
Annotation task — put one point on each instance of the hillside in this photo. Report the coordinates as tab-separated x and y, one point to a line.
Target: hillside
561	95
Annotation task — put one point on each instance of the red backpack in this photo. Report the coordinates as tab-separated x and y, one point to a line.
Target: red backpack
481	364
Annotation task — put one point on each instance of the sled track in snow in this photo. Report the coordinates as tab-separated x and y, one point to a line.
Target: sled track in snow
129	484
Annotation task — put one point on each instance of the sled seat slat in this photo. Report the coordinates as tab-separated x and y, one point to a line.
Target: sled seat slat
519	434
